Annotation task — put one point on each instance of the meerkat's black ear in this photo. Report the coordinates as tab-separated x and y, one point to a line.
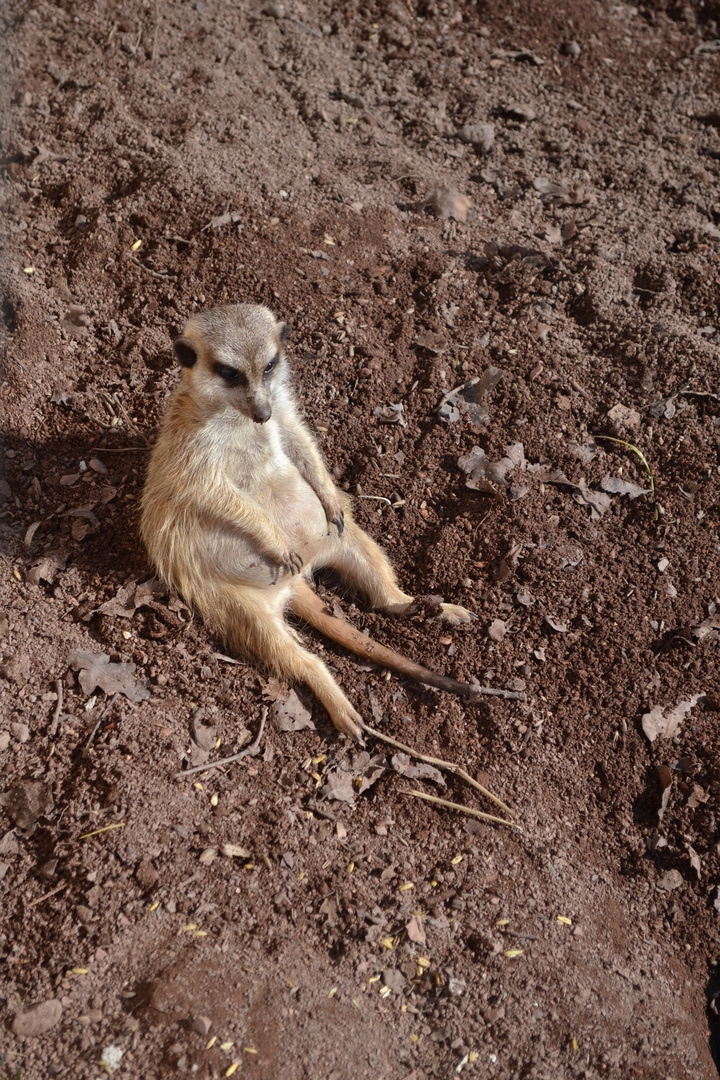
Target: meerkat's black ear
283	332
185	352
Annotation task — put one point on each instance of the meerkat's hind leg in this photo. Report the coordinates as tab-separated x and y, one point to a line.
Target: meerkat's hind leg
361	562
261	633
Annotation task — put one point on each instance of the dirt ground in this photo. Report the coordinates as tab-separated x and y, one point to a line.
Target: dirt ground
520	194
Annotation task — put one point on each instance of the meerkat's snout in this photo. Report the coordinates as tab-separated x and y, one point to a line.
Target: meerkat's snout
261	414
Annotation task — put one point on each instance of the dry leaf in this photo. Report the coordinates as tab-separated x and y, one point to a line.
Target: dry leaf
434	343
698	796
290	714
615	485
625	421
466	400
481	469
121	604
597	501
234	851
694	859
96	672
367	770
205	737
329	908
339	785
375	707
563	193
449	203
711	625
671	879
47	568
658	723
402	764
27	801
132	596
390	414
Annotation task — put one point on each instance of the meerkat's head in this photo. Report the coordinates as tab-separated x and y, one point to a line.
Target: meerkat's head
234	356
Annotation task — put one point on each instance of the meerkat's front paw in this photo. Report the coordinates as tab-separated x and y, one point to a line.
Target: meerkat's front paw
334	512
288	563
453	614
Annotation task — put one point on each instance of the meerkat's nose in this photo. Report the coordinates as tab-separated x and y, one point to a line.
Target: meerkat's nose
261	414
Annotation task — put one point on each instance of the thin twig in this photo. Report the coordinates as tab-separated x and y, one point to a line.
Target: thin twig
458	806
449	765
700	393
57	715
489	691
164	275
155	35
39	900
310	29
521	935
105	828
103	714
120	449
26	369
252	749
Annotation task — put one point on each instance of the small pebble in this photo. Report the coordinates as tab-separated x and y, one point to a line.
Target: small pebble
37	1020
21	732
482	136
201	1025
449	203
524	112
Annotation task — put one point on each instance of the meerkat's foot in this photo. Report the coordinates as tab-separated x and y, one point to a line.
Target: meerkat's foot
454	615
347	720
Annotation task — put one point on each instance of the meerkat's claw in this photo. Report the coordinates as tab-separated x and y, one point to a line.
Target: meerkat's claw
291	564
339	523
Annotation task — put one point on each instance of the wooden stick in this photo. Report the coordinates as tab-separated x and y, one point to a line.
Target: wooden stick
458	806
252	749
57	715
47	895
449	765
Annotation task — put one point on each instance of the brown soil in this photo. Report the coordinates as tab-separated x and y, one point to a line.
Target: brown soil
586	270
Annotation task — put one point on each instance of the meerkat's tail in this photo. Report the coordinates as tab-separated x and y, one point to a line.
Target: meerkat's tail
308	606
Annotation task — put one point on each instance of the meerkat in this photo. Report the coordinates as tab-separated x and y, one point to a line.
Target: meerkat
239	509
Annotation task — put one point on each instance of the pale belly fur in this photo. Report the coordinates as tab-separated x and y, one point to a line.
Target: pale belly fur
295	508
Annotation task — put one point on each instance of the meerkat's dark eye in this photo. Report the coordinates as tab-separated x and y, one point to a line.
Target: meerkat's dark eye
231	375
271	366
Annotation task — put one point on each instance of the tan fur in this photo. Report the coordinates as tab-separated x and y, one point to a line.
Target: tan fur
239	508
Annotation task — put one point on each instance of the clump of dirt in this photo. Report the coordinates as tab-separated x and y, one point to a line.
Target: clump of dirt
494	234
